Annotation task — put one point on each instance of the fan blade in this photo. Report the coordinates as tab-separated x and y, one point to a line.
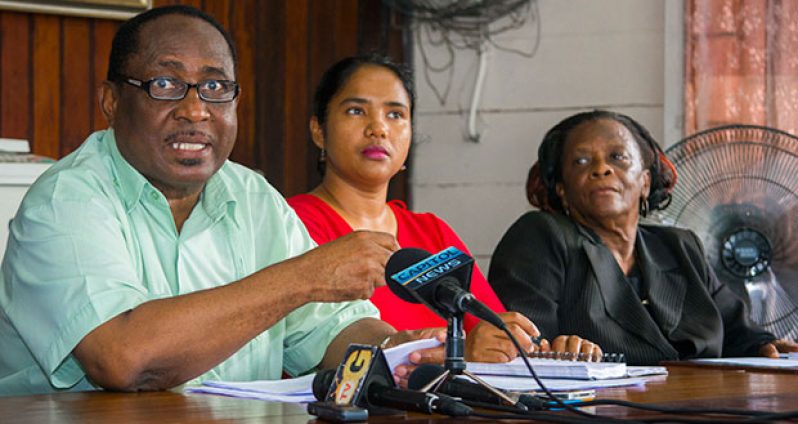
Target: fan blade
772	308
737	179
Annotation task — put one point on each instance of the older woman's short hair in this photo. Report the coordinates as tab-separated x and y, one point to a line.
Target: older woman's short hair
547	171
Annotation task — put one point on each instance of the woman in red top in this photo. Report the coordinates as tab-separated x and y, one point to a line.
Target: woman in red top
421	230
362	122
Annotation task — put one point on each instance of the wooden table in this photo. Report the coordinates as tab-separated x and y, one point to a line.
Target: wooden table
685	387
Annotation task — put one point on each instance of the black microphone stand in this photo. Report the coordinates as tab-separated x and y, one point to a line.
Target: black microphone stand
455	364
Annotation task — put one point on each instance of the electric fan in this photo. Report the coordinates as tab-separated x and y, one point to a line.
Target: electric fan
738	190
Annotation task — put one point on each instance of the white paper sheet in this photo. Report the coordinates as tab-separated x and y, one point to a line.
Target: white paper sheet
287	398
552	368
751	362
397	355
524	384
290	386
297	389
288	390
640	371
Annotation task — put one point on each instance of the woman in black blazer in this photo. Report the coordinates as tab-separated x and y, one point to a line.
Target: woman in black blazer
585	266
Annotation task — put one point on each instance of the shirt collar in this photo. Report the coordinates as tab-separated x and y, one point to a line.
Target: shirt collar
216	199
128	181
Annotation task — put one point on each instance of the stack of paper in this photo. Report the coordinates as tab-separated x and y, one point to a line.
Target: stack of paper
758	362
559	375
528	384
550	368
297	389
289	390
639	371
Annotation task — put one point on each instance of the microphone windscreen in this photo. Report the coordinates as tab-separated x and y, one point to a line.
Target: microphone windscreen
322	382
423	375
400	260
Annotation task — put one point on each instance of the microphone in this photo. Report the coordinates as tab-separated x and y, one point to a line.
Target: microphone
322	383
378	395
439	281
412	400
363	380
466	390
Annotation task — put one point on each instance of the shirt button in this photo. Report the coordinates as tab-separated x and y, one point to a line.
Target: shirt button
154	195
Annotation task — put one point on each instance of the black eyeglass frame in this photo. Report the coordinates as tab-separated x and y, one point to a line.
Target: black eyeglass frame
145	86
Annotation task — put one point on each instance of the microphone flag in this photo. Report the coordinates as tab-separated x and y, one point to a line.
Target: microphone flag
414	283
362	367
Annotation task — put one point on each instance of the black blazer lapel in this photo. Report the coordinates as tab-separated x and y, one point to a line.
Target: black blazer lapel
665	284
620	301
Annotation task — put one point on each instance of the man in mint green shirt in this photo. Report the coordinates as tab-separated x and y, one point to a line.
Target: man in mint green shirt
145	259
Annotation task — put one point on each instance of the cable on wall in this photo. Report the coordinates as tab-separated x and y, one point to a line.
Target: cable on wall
466	25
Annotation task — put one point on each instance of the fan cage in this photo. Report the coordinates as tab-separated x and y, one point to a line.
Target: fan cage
739	179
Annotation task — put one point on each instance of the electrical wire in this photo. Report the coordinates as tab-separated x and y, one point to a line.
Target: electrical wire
752	415
672	410
545	389
473	134
541	415
464	25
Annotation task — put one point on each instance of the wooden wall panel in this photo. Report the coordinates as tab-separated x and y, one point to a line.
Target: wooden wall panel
321	56
269	116
101	36
220	10
242	26
76	84
45	135
345	19
195	3
328	44
295	98
14	75
284	46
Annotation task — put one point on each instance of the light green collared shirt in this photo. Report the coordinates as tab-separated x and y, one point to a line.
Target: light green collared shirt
93	238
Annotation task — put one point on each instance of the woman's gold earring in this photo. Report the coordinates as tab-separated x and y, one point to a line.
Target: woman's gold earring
403	168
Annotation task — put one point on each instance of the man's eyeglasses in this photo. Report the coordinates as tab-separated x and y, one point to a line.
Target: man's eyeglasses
168	88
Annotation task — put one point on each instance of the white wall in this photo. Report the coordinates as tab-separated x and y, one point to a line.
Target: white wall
592	54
